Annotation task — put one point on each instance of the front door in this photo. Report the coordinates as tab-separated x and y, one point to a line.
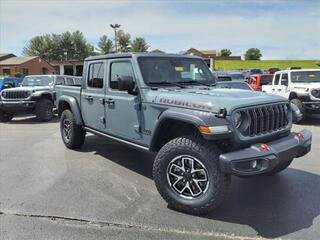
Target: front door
92	98
122	109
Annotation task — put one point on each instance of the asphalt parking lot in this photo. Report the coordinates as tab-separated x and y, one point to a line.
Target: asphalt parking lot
106	191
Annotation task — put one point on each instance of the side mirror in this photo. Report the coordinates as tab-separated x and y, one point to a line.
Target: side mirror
126	83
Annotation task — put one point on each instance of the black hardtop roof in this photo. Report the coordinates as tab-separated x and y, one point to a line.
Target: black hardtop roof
130	55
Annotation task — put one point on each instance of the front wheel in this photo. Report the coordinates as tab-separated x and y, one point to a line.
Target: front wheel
5	116
44	110
73	135
187	175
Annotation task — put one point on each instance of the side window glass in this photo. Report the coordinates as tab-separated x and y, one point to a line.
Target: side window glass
276	79
119	69
60	81
70	81
96	75
8	84
284	79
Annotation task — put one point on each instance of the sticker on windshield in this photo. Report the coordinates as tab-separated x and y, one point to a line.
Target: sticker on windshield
179	69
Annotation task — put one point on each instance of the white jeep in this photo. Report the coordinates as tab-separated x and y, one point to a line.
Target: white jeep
300	86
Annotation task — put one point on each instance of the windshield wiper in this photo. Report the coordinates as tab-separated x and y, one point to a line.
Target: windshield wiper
197	82
170	83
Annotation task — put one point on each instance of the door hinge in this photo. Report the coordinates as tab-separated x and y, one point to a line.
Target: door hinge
137	128
103	120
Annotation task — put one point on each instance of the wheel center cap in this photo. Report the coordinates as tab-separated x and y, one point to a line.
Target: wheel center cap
188	176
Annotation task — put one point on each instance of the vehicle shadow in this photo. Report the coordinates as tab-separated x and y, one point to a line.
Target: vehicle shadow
30	120
312	120
133	159
273	206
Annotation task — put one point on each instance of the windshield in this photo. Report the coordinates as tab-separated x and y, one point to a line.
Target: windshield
255	71
174	70
265	80
37	81
236	85
305	76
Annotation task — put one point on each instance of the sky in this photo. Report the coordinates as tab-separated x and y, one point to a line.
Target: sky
280	29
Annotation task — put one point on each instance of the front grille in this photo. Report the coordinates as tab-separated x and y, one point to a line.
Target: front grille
15	94
266	119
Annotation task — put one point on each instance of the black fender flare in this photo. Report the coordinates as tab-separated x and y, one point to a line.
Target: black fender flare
74	107
182	115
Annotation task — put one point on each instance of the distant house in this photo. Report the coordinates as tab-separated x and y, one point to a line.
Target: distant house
4	56
10	65
69	67
157	51
210	56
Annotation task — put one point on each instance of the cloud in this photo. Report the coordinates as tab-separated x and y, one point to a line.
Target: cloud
281	30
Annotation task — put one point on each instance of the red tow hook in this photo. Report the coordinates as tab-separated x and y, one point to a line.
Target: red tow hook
300	135
265	147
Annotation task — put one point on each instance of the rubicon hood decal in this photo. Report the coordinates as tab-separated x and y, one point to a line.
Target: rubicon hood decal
187	104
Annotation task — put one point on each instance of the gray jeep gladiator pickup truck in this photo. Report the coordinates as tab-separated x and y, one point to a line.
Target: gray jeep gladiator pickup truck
169	104
35	95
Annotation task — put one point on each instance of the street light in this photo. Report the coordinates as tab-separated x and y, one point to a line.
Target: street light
115	27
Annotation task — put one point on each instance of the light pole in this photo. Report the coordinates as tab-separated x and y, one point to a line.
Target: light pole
115	27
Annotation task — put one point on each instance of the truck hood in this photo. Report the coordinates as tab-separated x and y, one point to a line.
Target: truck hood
306	85
28	88
214	99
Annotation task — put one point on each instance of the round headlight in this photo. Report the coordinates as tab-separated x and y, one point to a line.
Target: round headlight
237	119
4	94
315	92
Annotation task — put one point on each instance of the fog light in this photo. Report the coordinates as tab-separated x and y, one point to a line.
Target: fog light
254	164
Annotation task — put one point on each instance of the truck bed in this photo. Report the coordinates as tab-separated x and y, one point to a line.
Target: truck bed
69	90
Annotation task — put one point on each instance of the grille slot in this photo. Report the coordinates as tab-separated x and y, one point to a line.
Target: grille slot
267	119
16	95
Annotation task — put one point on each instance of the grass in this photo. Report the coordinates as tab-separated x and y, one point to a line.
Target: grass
264	64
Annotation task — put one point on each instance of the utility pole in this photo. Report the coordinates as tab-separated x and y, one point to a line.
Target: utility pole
115	27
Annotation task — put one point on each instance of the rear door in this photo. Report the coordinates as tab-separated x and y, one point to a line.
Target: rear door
92	96
122	109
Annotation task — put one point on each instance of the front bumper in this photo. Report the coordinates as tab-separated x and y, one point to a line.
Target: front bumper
14	106
261	158
312	106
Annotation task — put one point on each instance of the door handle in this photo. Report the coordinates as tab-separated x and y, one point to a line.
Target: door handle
110	101
273	89
89	98
279	90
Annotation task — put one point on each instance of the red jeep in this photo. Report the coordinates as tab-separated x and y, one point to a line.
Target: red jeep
257	80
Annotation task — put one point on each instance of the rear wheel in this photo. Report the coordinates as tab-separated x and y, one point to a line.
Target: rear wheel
301	107
187	175
72	134
6	116
44	110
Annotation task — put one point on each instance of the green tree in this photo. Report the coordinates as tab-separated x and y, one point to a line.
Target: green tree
58	47
252	54
123	39
139	45
105	45
225	52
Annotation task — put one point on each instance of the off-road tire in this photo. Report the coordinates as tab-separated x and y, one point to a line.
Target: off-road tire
77	134
208	154
301	107
279	168
44	110
6	116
